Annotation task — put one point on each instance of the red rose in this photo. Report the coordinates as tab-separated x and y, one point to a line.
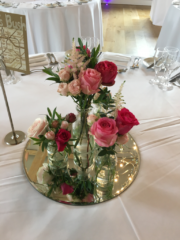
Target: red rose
108	72
71	117
65	202
66	189
87	51
125	121
61	138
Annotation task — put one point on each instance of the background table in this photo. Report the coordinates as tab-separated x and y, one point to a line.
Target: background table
52	29
150	208
159	9
170	34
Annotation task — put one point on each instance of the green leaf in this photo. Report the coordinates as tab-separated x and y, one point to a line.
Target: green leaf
50	72
93	53
97	50
49	111
102	153
41	137
110	111
58	116
48	118
54	112
43	146
35	139
111	152
102	115
81	46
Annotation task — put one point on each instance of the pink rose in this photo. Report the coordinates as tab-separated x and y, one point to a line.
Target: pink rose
55	124
125	121
74	87
123	139
91	119
64	124
63	89
66	189
50	135
64	75
104	131
90	80
38	128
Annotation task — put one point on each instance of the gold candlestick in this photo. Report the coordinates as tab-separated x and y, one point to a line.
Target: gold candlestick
14	137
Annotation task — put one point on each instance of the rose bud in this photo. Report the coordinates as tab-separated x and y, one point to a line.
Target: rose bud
96	96
71	117
123	139
64	124
91	119
55	124
50	135
64	75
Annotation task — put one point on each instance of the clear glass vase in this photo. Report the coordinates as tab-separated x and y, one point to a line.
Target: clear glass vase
105	168
84	147
57	160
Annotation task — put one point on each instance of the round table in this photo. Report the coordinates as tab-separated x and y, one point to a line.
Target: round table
150	208
170	34
158	12
52	29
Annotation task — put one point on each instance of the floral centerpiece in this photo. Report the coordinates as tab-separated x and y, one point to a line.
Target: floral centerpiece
94	135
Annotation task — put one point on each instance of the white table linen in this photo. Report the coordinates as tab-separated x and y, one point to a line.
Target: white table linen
170	32
52	29
150	208
159	9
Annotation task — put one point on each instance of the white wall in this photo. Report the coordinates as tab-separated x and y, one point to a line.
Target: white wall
131	2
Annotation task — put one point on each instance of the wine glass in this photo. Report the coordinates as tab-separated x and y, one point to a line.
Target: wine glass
159	58
171	57
86	41
94	42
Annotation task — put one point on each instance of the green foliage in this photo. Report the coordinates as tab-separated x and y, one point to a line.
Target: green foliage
55	77
94	54
81	187
106	151
105	99
42	140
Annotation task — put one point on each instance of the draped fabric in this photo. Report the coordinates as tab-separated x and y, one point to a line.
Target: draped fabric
170	34
52	29
159	9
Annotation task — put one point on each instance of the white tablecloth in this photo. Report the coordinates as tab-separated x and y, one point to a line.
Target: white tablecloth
170	32
149	209
159	9
52	29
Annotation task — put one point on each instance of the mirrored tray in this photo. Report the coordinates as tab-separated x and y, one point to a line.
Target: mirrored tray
128	164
